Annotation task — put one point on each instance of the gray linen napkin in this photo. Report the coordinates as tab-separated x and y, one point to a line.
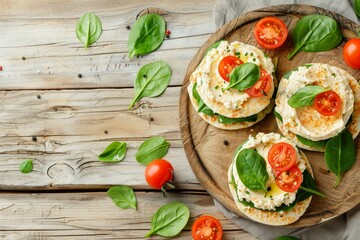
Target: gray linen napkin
346	226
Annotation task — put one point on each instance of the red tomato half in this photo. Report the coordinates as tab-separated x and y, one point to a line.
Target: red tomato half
351	53
158	173
206	228
290	180
327	103
270	32
282	156
226	65
262	86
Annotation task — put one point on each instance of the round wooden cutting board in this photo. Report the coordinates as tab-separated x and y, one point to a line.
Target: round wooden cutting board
204	145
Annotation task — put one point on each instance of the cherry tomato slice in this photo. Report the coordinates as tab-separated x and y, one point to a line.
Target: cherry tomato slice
227	64
289	180
206	228
327	103
158	173
270	32
262	86
282	156
351	53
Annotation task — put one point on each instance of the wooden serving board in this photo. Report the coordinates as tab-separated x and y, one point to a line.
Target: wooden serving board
210	158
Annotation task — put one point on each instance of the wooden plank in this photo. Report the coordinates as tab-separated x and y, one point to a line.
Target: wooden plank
54	56
88	215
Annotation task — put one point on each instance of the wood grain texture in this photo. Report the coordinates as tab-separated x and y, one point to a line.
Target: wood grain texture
210	159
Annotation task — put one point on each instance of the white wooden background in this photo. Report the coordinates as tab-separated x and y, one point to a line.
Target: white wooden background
64	197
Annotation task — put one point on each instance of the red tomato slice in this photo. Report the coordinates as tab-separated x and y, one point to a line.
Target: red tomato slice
206	228
262	86
290	180
270	32
327	103
351	53
282	156
227	64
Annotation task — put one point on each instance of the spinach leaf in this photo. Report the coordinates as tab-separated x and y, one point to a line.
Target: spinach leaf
123	197
115	152
277	115
305	96
26	166
225	120
244	76
146	35
307	188
169	220
251	167
215	45
287	238
307	142
288	74
153	148
202	107
152	80
316	33
340	154
357	7
88	29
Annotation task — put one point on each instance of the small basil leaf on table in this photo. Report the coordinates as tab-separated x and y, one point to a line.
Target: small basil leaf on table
115	152
88	29
251	167
153	148
169	220
26	166
315	33
244	76
310	143
305	96
287	238
357	7
123	197
340	154
146	35
152	80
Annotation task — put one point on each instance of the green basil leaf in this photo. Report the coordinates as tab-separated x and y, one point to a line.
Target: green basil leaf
169	220
153	148
357	7
244	76
26	166
340	154
288	74
146	35
310	143
88	29
307	188
315	33
277	115
123	197
115	152
152	80
287	238
202	106
305	96
225	120
215	45
251	167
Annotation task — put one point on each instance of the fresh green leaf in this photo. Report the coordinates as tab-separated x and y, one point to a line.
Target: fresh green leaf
307	188
310	143
226	120
152	80
169	220
251	167
315	33
88	29
288	74
146	35
287	238
153	148
123	197
215	45
340	154
115	152
26	166
277	115
357	7
244	76
305	96
202	106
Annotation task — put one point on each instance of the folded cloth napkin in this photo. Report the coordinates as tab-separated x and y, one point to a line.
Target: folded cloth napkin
343	227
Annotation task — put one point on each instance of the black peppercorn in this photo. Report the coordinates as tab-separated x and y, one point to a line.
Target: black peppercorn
226	142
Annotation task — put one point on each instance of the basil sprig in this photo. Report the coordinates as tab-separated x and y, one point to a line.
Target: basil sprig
169	220
251	167
88	29
153	148
151	81
315	33
123	197
340	154
115	152
146	35
26	166
305	96
244	76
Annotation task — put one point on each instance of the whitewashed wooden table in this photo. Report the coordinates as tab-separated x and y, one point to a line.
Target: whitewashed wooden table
74	119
